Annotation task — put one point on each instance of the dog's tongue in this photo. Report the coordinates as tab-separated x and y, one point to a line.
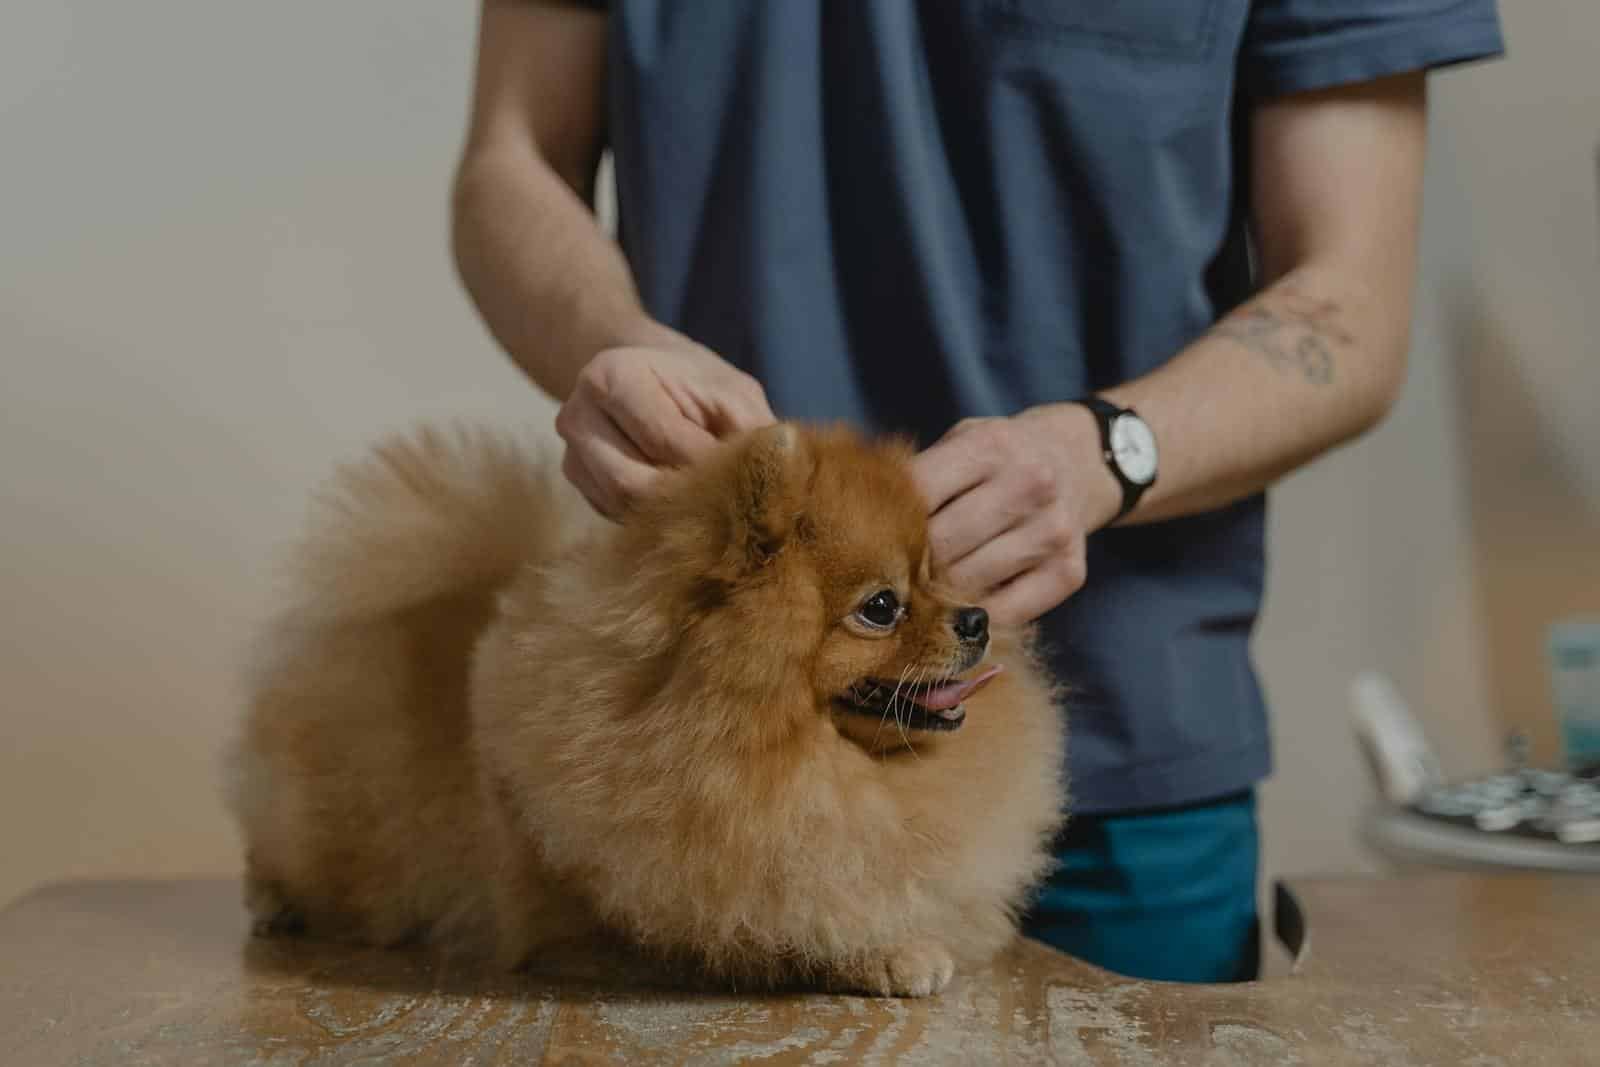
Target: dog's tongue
951	694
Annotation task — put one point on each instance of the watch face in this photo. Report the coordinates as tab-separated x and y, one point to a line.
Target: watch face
1134	447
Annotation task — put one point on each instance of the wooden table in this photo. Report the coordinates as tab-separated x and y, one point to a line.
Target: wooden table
1451	969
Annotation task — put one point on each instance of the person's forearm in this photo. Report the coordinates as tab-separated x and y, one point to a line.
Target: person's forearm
1311	362
1319	356
552	287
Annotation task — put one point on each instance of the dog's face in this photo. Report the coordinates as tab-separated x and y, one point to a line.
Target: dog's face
826	573
897	654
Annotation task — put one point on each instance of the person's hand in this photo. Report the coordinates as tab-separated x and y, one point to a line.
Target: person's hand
637	411
1012	500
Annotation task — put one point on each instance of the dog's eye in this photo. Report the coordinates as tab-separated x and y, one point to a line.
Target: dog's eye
880	609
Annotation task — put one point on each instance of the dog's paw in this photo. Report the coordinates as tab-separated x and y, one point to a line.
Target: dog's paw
919	969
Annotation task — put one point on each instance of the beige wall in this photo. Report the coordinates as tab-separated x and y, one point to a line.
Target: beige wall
1524	307
1440	548
222	264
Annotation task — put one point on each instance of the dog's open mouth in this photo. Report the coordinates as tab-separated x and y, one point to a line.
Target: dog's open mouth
937	705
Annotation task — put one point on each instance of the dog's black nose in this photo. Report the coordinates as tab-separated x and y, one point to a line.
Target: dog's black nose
972	624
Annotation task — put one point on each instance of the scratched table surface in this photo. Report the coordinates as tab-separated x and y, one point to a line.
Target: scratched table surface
1452	969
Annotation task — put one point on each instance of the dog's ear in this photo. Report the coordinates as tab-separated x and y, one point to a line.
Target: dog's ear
773	473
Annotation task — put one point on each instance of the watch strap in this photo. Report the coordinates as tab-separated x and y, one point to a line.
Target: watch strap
1105	413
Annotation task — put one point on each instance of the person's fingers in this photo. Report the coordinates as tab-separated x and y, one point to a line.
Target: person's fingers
1010	554
655	424
968	425
972	520
574	471
757	410
618	471
738	403
622	477
706	390
1030	595
948	468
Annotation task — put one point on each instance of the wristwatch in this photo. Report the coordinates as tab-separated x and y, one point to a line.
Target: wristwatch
1129	447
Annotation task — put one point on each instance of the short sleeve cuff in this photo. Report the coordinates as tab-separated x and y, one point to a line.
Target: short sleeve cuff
1349	57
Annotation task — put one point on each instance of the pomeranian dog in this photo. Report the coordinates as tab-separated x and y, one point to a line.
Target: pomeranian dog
744	730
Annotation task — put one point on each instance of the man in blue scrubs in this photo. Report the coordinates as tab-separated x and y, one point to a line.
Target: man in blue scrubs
1116	264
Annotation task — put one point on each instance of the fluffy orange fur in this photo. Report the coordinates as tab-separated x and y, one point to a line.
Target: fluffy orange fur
488	721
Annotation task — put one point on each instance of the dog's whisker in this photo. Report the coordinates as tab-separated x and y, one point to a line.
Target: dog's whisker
888	708
900	725
922	676
894	697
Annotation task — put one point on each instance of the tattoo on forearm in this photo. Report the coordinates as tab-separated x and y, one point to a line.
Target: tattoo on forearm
1299	334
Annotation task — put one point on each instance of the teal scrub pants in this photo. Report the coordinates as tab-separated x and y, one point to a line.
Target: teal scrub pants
1167	894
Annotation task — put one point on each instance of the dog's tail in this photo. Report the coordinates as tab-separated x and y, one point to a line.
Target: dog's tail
433	513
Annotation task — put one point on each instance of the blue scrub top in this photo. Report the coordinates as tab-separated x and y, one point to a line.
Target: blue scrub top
902	214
